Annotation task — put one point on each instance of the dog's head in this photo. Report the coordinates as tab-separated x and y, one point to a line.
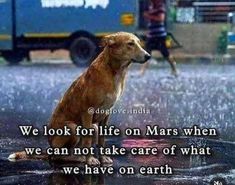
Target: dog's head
126	47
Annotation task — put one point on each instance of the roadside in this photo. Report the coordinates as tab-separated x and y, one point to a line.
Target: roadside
62	57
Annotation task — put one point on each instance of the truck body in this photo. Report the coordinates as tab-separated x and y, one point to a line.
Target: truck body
75	25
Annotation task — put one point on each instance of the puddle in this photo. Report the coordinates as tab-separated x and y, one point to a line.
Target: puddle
186	170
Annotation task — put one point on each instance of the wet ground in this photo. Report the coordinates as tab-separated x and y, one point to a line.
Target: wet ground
202	95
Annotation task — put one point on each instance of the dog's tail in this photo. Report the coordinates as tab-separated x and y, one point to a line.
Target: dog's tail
23	156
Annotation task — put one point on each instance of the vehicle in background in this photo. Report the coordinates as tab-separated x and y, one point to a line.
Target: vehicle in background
76	26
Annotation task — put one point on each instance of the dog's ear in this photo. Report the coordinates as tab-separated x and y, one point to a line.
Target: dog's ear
108	40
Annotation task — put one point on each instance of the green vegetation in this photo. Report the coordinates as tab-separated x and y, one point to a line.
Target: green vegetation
172	14
222	41
2	60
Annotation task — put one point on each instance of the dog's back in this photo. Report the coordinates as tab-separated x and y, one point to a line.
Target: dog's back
98	87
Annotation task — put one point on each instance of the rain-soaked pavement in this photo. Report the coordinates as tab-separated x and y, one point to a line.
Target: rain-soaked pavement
202	95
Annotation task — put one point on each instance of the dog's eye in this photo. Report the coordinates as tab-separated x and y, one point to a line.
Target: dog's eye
131	43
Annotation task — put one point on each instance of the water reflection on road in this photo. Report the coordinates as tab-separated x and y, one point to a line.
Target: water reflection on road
203	95
187	170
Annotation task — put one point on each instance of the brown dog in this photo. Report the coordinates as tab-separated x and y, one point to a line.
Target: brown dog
99	87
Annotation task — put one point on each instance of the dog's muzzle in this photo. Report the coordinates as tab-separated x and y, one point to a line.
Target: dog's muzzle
146	58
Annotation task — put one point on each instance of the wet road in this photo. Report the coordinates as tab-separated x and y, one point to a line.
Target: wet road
202	95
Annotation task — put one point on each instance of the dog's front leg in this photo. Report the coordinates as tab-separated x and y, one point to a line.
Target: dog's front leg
87	140
101	142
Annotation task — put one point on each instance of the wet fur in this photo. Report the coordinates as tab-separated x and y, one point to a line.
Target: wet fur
100	86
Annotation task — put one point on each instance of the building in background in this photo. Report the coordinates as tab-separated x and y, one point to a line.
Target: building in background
203	10
198	24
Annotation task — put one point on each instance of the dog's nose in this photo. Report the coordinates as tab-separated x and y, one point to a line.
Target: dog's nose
147	56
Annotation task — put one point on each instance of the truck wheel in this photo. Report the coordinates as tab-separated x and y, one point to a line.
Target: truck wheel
14	57
83	50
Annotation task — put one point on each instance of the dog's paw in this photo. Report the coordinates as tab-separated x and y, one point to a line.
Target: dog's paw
92	161
81	159
106	160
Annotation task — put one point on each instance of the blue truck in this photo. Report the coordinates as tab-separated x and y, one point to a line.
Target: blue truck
74	25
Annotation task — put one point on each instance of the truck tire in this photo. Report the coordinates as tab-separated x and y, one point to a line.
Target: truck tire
14	57
83	50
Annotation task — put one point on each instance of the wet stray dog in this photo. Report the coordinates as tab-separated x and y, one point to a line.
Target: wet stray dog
99	87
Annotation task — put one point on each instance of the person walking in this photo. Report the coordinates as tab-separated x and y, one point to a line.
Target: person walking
157	34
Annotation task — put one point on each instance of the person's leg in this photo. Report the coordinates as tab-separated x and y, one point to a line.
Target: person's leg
166	54
148	47
172	63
